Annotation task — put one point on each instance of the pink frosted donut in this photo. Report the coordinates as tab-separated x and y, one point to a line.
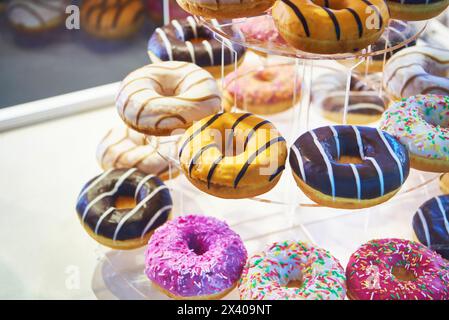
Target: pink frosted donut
260	29
195	257
395	269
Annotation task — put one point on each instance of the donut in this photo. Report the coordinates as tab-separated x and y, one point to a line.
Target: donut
155	10
261	89
397	34
195	257
225	9
292	270
36	15
233	155
396	269
326	27
421	124
124	148
112	19
259	30
121	208
185	40
329	96
349	167
413	10
161	97
444	183
431	225
417	70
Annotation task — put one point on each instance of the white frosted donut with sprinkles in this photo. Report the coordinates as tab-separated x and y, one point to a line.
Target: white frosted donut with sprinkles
421	124
162	97
292	270
123	148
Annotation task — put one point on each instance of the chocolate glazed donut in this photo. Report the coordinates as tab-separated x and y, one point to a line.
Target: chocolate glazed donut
431	225
318	162
123	228
185	40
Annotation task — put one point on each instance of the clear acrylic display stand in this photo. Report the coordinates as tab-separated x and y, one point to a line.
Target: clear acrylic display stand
284	212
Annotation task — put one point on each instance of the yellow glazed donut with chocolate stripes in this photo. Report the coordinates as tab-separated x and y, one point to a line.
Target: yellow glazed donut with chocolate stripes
112	19
162	97
330	26
233	155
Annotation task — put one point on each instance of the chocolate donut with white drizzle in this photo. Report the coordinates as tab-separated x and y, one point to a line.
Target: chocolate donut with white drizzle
329	95
348	166
431	225
129	226
185	40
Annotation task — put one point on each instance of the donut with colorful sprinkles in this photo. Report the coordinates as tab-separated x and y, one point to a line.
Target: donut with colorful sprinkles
396	269
292	270
195	257
421	124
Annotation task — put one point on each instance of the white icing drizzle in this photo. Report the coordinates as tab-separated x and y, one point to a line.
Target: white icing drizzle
300	163
209	50
361	106
373	161
175	23
191	49
102	217
359	142
326	160
136	209
108	193
395	157
141	183
425	226
94	183
167	43
379	173
192	23
337	141
154	218
443	213
357	181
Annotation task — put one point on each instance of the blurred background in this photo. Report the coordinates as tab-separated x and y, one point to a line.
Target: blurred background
37	61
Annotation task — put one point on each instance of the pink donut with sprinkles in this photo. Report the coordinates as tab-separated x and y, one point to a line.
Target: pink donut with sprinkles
395	269
195	257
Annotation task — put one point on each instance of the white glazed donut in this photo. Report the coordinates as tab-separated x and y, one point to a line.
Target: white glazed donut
162	97
123	148
36	15
417	70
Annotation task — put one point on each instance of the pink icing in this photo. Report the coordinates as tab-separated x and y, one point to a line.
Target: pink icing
195	256
260	29
369	272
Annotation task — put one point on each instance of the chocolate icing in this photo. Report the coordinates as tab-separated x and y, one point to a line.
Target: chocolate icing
337	141
398	32
182	33
431	225
95	205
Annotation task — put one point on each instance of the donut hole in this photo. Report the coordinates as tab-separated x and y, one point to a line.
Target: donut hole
295	283
403	274
197	245
231	143
350	159
124	202
265	75
335	5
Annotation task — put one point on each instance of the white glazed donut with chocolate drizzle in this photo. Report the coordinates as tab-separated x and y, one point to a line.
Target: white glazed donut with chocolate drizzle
123	148
36	15
185	40
329	95
162	97
417	70
121	208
